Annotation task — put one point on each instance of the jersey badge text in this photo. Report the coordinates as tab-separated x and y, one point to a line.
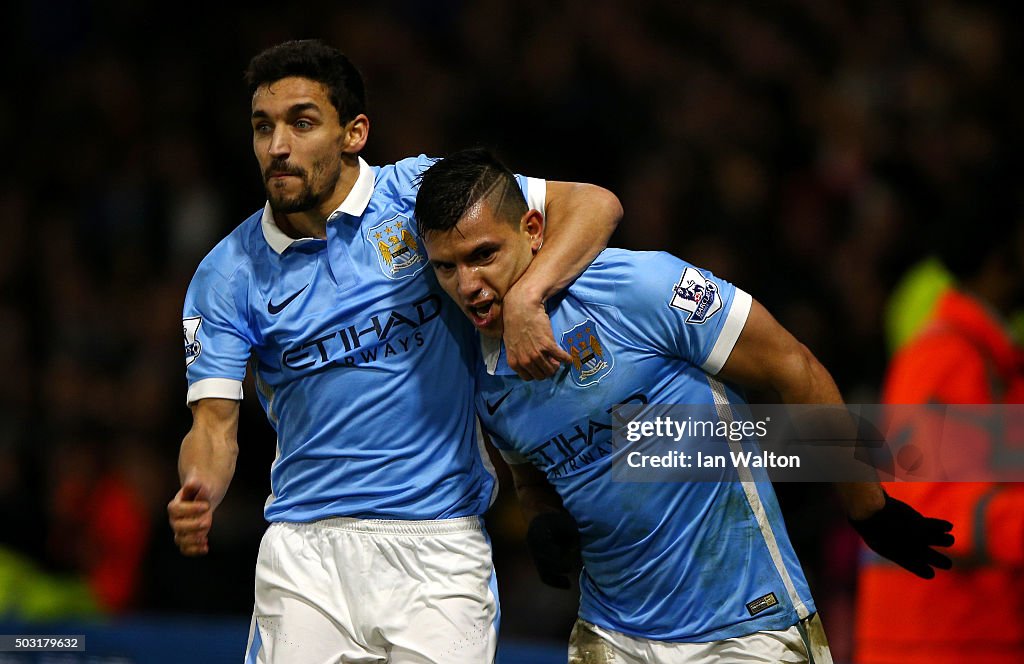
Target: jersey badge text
696	295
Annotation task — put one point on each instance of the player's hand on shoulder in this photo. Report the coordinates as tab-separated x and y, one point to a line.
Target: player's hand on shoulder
907	537
554	542
191	518
530	344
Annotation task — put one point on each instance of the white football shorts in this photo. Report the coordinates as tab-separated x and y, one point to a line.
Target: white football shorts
803	643
348	591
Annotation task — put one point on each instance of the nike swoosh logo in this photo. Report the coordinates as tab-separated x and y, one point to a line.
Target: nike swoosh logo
493	407
275	309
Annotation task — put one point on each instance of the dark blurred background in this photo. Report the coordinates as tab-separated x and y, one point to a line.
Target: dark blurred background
804	149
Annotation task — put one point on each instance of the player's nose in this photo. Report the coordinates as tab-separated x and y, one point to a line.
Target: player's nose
469	282
280	146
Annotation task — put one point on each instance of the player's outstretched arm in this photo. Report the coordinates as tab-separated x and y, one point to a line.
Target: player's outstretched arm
580	218
206	464
552	535
768	357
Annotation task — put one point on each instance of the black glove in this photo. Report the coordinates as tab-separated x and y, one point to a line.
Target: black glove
554	542
906	537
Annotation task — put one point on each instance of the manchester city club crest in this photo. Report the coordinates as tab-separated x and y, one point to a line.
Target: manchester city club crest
591	357
397	247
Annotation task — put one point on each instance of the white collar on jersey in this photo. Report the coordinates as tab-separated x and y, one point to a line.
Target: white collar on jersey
491	350
354	204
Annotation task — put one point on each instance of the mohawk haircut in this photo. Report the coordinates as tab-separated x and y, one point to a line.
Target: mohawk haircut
315	60
453	185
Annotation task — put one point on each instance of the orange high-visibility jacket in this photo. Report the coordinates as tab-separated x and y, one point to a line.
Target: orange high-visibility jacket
975	613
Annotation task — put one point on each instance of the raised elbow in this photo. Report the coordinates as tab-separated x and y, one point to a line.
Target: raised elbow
610	205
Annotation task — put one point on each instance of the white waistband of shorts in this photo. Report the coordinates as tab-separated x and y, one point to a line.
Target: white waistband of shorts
400	527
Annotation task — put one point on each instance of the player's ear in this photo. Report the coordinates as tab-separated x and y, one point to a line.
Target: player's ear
532	223
356	131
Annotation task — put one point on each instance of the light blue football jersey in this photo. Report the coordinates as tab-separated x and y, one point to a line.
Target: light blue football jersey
671	561
363	365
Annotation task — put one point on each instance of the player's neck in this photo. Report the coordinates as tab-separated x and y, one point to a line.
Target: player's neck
298	225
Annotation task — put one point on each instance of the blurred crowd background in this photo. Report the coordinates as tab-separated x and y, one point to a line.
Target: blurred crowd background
808	150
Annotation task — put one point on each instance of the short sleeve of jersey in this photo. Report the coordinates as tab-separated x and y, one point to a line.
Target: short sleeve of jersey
535	191
408	171
216	345
679	309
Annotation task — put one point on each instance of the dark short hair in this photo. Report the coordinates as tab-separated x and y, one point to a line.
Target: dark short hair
315	60
454	184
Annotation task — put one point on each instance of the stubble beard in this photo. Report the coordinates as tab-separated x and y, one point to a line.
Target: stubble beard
306	199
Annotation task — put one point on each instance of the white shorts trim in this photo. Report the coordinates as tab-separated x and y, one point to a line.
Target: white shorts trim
466	524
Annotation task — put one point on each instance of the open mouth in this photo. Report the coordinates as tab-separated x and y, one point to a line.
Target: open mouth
482	313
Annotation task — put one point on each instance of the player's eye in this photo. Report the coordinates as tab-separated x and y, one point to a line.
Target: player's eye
262	128
444	268
303	124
